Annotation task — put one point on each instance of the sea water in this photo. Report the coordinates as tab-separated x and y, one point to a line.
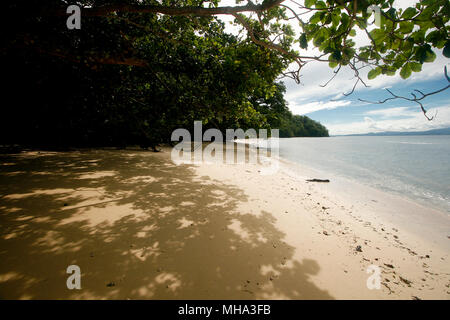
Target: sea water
416	167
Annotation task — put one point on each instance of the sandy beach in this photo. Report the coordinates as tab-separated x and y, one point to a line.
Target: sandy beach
141	227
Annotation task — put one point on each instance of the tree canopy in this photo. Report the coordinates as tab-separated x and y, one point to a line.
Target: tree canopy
138	69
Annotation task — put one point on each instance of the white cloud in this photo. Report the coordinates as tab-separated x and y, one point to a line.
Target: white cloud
316	74
392	112
309	96
415	121
317	105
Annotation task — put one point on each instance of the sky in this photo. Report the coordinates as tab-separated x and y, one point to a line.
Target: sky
346	114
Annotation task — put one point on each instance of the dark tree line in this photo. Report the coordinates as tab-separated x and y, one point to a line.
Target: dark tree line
137	70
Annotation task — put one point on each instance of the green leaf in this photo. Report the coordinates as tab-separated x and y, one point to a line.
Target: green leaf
392	13
320	5
315	18
406	27
364	55
428	12
303	41
409	13
333	64
309	3
345	20
446	51
335	18
390	73
418	36
336	56
429	56
433	36
352	33
377	35
415	66
407	45
406	71
374	73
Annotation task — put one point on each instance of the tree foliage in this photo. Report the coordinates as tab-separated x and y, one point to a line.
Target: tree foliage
301	126
136	70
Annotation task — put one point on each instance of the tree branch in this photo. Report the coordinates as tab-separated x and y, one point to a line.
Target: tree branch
414	98
172	11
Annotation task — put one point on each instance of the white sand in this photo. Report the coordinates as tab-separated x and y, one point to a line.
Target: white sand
140	227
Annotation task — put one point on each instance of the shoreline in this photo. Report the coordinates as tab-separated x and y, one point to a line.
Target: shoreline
439	204
141	227
375	217
430	223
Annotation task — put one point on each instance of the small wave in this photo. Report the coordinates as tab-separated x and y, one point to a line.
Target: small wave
404	142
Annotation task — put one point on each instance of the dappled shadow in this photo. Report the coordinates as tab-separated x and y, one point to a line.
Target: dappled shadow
139	228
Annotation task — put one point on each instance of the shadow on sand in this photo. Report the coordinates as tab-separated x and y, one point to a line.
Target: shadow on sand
139	228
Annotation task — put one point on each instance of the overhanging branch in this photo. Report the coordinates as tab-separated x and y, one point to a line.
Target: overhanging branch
172	11
415	96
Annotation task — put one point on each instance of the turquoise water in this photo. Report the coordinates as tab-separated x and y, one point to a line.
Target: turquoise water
417	167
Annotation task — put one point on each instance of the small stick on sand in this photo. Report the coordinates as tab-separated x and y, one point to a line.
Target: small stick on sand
318	180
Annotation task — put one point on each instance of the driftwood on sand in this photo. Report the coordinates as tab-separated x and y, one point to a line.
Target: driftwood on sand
318	180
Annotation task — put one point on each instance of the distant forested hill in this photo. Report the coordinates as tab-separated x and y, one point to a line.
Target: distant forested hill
301	126
438	132
278	116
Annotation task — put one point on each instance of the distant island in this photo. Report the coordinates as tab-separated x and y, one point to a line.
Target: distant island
301	126
442	131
